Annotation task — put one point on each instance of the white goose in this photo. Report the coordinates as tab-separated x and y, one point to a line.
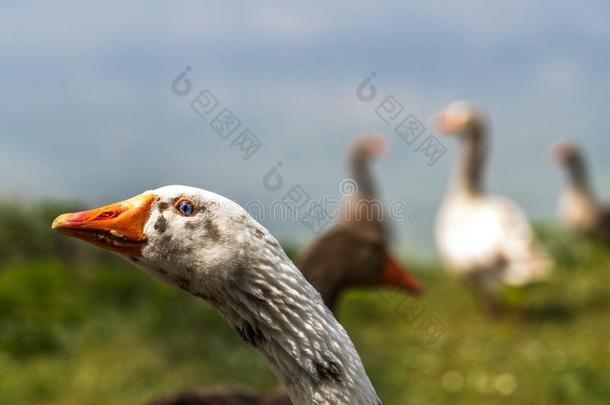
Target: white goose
579	207
209	246
483	237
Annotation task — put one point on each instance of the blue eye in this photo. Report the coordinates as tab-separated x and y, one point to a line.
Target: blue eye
185	207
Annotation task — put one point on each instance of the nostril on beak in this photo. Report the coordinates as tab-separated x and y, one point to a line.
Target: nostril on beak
107	215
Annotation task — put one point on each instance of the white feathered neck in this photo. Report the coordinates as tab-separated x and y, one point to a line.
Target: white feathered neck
277	311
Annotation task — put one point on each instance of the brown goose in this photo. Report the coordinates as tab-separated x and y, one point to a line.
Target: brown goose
483	237
579	208
354	251
210	247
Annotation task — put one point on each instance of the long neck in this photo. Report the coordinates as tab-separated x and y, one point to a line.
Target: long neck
278	312
359	166
363	208
578	176
469	176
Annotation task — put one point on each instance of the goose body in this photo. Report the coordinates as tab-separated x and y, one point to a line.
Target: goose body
484	237
579	208
210	247
488	235
354	252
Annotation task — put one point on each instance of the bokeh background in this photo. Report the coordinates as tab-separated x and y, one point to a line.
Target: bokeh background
88	116
87	111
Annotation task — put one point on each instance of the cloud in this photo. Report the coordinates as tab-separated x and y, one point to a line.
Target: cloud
88	111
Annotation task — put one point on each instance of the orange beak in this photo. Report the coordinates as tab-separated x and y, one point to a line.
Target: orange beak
118	227
396	276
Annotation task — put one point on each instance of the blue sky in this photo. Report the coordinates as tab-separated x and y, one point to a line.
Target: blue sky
87	110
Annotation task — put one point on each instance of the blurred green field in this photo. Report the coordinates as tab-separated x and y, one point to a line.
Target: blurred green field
78	326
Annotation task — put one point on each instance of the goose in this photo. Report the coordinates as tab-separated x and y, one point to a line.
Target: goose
579	208
353	252
212	248
485	238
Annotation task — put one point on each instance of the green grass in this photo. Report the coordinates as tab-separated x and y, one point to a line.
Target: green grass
100	332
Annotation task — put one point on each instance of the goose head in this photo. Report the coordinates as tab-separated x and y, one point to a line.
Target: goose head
369	146
209	246
183	235
564	153
460	118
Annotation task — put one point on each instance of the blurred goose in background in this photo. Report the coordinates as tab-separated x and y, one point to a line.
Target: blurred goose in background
579	208
210	247
483	237
354	251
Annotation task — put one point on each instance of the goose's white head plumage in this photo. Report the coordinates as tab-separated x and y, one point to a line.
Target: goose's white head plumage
458	118
209	246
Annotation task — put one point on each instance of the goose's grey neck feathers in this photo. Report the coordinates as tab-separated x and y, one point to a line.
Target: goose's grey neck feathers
579	207
362	211
470	171
359	166
578	175
364	149
276	310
